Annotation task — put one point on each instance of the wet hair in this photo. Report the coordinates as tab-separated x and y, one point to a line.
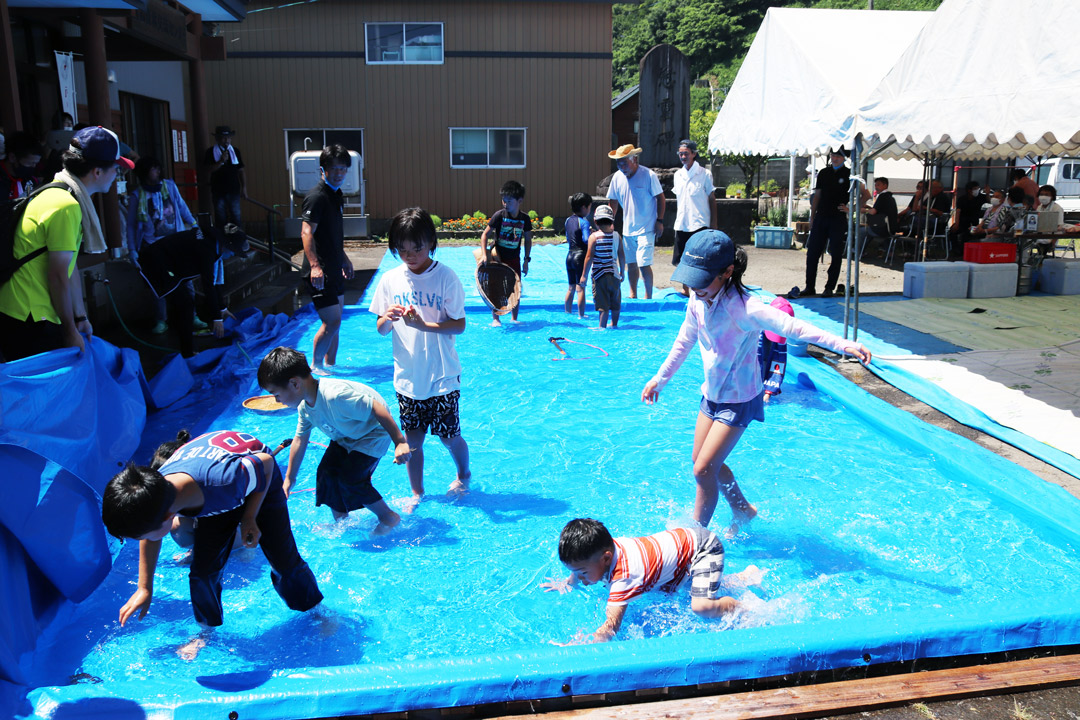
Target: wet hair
735	280
1018	174
336	152
412	227
144	165
512	188
578	201
1050	189
166	449
690	145
1016	194
582	538
21	144
280	366
79	166
136	501
883	180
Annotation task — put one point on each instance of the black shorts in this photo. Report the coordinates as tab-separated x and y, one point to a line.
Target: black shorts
332	290
440	413
510	257
343	480
575	263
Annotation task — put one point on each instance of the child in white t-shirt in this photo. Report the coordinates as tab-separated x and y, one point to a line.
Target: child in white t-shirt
422	303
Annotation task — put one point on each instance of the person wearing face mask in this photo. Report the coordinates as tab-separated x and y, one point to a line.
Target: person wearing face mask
40	308
20	167
1048	203
828	223
991	217
156	209
326	266
1011	212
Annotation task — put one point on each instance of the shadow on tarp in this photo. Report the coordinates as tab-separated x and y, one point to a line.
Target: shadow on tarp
68	421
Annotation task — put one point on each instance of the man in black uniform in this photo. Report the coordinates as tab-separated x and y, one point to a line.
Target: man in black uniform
326	266
828	223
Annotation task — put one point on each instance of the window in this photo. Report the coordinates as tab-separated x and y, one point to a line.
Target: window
404	43
487	147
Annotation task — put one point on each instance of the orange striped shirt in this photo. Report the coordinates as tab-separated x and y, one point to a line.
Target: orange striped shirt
643	563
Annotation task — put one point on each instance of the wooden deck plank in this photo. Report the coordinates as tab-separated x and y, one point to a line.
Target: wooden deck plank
847	696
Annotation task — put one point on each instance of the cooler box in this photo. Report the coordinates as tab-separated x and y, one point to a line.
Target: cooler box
1061	276
991	280
935	280
773	237
989	252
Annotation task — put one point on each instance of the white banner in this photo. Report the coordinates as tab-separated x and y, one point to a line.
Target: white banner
65	70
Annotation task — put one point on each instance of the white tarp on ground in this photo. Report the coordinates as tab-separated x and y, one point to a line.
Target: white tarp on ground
805	74
983	78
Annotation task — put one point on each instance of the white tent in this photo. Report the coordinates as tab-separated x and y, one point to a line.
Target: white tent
983	78
804	76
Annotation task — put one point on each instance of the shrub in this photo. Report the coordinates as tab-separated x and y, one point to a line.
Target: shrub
437	220
479	215
777	216
533	215
549	222
468	222
769	186
735	189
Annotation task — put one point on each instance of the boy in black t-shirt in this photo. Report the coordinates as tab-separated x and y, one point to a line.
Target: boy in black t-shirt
511	227
326	266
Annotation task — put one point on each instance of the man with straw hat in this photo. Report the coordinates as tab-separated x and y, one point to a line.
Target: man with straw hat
637	191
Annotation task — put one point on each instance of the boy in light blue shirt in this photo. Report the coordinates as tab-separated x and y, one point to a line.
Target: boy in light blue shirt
356	419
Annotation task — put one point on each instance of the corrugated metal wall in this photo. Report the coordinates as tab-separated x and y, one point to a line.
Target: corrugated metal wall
406	110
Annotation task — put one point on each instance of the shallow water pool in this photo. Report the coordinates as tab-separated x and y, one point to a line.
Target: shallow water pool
883	538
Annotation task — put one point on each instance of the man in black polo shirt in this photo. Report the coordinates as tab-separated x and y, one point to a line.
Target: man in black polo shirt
228	184
326	266
828	223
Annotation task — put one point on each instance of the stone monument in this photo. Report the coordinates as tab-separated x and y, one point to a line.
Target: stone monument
664	103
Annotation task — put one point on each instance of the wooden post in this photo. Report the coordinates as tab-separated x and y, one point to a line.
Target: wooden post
97	101
10	107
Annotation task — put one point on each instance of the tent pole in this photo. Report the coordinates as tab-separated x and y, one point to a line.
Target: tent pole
791	193
926	209
854	196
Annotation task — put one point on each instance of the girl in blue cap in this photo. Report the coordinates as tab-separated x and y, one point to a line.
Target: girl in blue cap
725	320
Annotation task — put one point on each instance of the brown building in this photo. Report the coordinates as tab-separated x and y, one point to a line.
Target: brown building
444	100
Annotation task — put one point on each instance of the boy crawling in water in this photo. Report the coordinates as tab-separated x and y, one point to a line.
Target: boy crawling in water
632	566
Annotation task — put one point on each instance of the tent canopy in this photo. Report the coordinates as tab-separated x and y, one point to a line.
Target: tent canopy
983	78
804	76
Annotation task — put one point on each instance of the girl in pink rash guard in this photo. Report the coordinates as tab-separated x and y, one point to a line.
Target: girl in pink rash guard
725	321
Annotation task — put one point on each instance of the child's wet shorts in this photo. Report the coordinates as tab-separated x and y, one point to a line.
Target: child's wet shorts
343	480
707	565
510	257
575	263
606	292
440	413
735	414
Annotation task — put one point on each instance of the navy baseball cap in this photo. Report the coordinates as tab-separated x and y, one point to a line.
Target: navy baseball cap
707	254
101	147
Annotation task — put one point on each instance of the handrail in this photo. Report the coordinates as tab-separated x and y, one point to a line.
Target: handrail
264	206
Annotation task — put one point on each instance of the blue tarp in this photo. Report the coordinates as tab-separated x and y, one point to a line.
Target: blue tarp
69	421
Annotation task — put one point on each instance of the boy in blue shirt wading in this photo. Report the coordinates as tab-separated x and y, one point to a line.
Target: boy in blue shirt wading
224	479
360	427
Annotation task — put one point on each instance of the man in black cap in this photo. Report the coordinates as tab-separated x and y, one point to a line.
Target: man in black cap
228	185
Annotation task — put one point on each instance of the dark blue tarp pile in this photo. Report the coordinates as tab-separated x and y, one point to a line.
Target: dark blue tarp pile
69	420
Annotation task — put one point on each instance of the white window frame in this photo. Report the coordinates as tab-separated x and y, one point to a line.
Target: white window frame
402	61
524	148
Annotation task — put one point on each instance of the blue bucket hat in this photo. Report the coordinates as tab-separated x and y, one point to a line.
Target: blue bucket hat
707	254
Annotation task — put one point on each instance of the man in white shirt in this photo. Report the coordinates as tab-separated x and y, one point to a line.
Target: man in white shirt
637	191
695	200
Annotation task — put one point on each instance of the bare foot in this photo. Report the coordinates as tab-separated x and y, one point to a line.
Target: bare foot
459	487
191	650
751	576
384	528
496	323
598	328
320	371
408	505
739	520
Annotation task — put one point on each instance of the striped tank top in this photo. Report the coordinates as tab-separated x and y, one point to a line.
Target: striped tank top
604	255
